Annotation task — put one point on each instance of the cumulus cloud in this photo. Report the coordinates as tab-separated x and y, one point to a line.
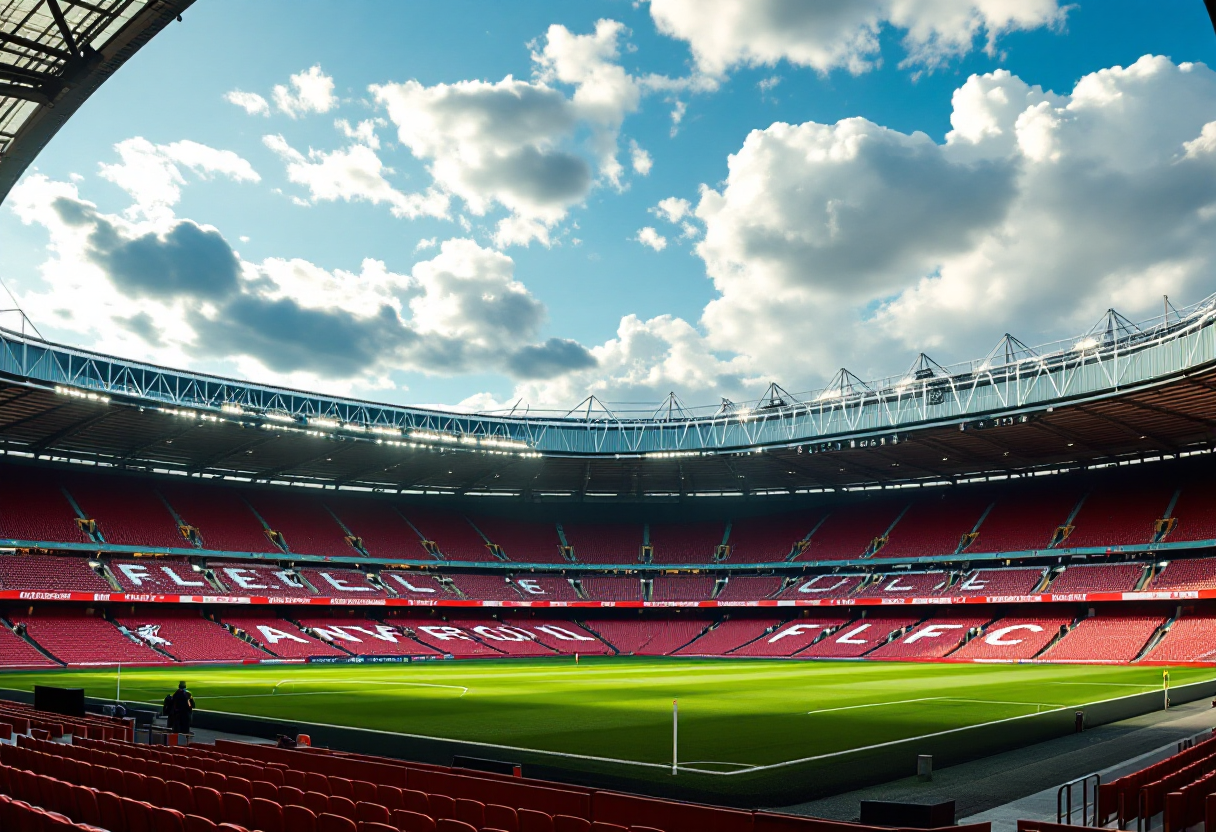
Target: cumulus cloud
640	159
651	239
672	209
310	91
154	174
250	102
724	34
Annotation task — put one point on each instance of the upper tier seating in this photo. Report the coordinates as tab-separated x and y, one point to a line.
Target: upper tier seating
1199	573
282	638
417	585
84	640
849	530
563	636
33	507
364	637
600	588
1025	518
750	588
305	522
523	542
223	519
935	525
791	638
382	528
768	539
1120	516
486	587
728	635
544	588
906	585
824	586
1105	638
1192	638
452	534
16	652
446	638
1195	510
259	579
613	543
48	573
649	637
932	639
171	576
1111	577
187	636
341	583
1014	637
858	637
510	640
685	542
691	588
997	582
128	512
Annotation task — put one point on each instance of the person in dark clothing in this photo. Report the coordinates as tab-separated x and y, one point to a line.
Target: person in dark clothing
167	711
183	707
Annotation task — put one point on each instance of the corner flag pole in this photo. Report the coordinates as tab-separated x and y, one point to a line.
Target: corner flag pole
1165	687
675	733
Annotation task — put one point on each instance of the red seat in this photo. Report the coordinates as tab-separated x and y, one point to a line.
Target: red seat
531	820
240	785
375	813
413	800
158	791
109	806
180	797
390	798
342	787
135	785
208	803
341	806
370	826
86	805
237	809
168	820
294	778
505	818
453	825
267	815
566	823
472	812
291	796
299	819
317	802
442	806
215	780
328	822
264	790
365	792
408	821
314	782
138	815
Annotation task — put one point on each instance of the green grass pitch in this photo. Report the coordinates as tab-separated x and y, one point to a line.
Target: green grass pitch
734	715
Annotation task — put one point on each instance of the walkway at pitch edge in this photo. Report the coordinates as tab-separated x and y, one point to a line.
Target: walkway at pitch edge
1022	784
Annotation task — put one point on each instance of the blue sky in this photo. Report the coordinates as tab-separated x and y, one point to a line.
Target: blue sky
512	247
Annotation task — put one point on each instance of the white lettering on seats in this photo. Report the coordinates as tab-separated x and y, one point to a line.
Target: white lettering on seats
501	633
562	633
289	580
894	586
932	631
168	570
847	638
272	636
411	587
135	573
973	582
530	586
997	637
331	633
339	584
794	630
809	586
446	633
241	579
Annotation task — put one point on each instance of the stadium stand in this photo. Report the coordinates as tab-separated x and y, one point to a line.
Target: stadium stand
330	582
187	636
849	531
1196	511
769	539
447	638
381	528
906	585
544	588
486	587
648	636
612	543
1192	638
1113	515
50	573
363	636
728	635
80	640
565	637
260	579
17	653
307	526
1199	573
173	576
604	588
454	537
1111	577
935	526
1024	518
1105	638
222	517
33	507
510	640
858	637
687	543
997	582
416	585
824	586
932	639
792	637
677	588
1014	637
277	636
523	542
750	588
128	512
1177	789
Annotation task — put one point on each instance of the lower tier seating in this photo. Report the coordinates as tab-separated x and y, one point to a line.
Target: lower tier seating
363	636
279	637
790	638
1191	639
16	652
727	636
649	637
188	637
1014	637
858	638
1105	638
933	639
85	640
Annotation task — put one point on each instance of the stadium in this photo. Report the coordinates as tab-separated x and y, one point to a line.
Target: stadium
649	614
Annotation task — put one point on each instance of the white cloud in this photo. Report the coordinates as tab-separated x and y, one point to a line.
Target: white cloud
724	34
651	239
640	159
250	102
673	209
310	91
363	133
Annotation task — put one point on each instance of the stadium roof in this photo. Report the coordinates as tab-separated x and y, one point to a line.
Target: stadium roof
53	55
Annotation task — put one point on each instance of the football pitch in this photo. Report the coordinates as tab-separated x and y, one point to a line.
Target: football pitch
734	716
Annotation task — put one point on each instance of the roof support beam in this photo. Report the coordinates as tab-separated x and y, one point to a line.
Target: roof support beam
24	93
35	46
69	431
1129	429
328	453
65	30
202	466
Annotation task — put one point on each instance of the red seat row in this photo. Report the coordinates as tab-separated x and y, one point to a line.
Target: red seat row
1144	791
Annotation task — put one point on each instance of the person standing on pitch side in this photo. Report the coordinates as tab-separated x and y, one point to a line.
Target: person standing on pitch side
183	707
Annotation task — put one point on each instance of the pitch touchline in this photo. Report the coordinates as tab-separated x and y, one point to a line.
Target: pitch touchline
935	699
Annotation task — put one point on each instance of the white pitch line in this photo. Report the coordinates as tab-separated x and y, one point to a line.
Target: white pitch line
936	699
1105	684
275	690
873	705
